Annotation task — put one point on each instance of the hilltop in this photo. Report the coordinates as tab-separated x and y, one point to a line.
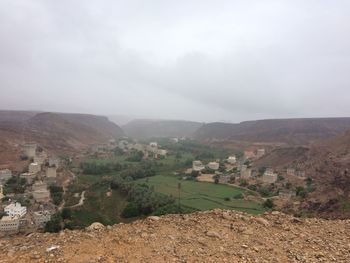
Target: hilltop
59	133
212	236
290	131
144	128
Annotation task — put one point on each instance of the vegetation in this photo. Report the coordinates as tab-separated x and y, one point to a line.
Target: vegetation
98	167
202	196
268	204
56	193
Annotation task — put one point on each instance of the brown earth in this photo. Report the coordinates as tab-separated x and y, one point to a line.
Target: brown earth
57	133
213	236
290	131
327	162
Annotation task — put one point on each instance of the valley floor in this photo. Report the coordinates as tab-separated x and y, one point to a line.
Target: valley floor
212	236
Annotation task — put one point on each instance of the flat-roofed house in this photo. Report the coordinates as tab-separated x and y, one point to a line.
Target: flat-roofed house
5	174
269	176
40	218
30	149
232	159
51	174
197	166
15	209
260	153
9	224
34	168
40	192
28	176
213	166
246	173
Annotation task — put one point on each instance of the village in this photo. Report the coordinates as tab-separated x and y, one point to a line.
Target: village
29	199
26	200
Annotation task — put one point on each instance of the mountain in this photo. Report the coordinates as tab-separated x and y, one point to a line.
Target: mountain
144	128
211	236
56	132
327	162
290	131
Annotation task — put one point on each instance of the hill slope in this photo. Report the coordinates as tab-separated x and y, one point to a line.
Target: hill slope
143	129
291	131
327	162
56	132
214	236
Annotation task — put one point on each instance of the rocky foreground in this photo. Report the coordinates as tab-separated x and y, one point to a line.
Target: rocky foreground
214	236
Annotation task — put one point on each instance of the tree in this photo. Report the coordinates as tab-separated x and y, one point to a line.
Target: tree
131	210
55	224
300	191
66	213
268	204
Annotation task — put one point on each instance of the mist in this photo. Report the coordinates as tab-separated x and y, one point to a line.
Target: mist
192	60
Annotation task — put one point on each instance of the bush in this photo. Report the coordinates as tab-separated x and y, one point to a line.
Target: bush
300	191
131	210
238	196
243	182
66	213
268	204
252	187
55	224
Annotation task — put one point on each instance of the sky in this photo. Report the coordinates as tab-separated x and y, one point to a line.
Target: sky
188	59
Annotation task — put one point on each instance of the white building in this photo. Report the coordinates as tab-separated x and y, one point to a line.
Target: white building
213	166
51	172
232	159
15	209
197	166
5	175
40	159
290	171
1	192
260	153
28	176
246	173
9	224
41	196
40	218
34	168
269	177
153	144
40	192
30	149
161	152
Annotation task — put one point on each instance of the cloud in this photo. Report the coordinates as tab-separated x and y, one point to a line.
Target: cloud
201	60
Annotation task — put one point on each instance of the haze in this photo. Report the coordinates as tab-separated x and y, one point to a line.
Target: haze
195	60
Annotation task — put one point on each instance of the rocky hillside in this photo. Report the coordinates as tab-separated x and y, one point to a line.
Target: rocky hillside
327	162
144	129
56	132
291	131
214	236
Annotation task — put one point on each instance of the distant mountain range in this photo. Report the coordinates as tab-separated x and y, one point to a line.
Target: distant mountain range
144	128
290	131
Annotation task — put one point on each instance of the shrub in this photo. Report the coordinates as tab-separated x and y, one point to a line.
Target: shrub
131	210
268	204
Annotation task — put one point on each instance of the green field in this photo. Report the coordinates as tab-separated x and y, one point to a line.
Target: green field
202	196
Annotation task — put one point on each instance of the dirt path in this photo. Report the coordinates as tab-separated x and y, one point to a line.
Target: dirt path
81	201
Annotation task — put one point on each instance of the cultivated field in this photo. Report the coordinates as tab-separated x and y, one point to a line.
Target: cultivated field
201	195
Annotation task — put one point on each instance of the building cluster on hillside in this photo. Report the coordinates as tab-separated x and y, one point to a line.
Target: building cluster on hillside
150	150
42	172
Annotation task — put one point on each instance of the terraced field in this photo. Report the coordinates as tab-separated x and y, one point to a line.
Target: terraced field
203	196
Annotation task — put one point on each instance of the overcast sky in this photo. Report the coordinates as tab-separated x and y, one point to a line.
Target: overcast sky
195	60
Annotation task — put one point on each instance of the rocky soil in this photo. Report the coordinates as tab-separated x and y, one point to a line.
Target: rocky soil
213	236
